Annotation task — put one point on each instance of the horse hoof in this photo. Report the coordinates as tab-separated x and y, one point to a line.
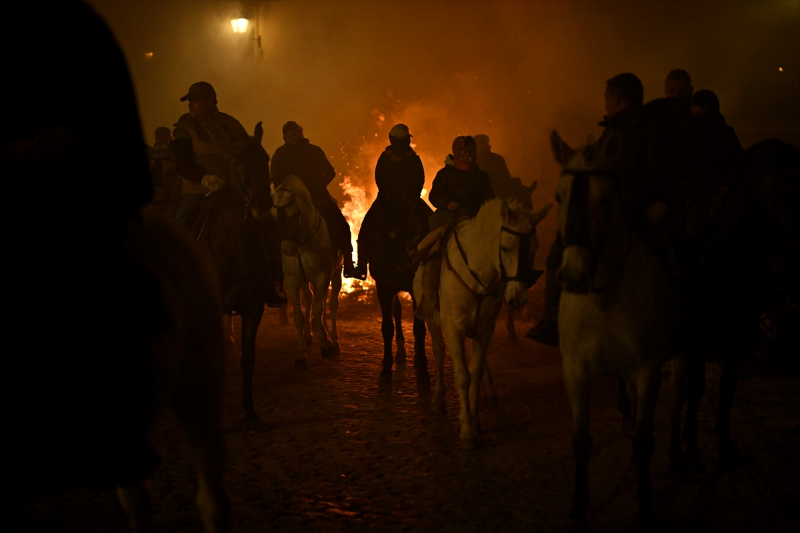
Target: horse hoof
469	443
423	374
386	376
300	364
327	353
400	358
337	350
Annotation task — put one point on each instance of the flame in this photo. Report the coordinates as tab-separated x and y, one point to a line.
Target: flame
354	210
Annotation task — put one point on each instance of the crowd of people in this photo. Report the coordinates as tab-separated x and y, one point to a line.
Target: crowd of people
675	157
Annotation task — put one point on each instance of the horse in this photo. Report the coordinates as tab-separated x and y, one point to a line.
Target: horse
762	212
91	402
233	229
616	309
393	271
308	258
476	278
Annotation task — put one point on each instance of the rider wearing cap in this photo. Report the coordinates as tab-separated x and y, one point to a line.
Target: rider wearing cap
460	188
400	176
200	138
298	157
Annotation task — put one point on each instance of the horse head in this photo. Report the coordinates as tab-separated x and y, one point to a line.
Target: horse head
292	208
588	206
249	172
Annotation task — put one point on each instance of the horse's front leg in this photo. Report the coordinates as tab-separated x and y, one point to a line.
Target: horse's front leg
488	382
385	299
300	360
336	287
510	327
576	381
477	369
321	283
400	339
250	321
420	359
455	341
307	299
647	385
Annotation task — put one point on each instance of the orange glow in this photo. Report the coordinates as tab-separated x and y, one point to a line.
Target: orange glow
780	69
148	55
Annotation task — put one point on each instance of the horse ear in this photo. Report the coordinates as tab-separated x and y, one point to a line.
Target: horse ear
533	186
561	150
539	215
259	132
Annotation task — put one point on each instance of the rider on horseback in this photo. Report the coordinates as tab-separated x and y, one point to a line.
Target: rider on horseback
400	177
460	188
200	138
298	157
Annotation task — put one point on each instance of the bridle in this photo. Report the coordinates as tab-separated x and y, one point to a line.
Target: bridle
576	232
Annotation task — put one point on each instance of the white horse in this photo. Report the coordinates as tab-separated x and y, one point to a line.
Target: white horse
616	308
308	258
487	260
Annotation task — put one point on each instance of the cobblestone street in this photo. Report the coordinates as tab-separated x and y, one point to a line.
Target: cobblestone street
334	451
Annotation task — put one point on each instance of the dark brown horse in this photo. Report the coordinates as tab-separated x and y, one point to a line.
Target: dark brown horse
234	231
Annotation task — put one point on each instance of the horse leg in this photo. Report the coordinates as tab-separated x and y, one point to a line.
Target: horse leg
199	408
695	388
137	503
307	299
577	384
250	322
283	316
477	369
729	453
420	359
678	385
400	339
317	320
455	341
300	324
336	287
510	328
647	384
437	341
385	299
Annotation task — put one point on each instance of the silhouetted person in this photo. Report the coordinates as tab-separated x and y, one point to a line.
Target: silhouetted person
643	160
503	185
168	188
460	188
298	157
400	176
201	137
678	84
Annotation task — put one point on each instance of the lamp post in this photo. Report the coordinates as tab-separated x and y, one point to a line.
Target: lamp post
240	26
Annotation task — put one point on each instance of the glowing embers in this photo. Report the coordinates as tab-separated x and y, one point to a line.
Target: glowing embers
148	55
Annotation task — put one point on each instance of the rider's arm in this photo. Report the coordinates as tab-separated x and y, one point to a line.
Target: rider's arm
417	175
185	164
327	172
439	196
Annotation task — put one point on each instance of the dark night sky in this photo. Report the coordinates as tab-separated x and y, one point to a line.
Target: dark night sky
512	70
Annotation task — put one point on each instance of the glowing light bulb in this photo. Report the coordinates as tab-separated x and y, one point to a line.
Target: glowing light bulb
239	25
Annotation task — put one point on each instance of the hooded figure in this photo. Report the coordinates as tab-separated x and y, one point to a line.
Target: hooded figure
460	188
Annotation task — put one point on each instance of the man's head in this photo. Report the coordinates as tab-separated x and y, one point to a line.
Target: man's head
677	84
399	137
292	132
482	141
202	98
163	136
705	102
623	90
464	153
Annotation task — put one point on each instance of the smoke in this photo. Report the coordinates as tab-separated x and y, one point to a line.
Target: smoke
511	70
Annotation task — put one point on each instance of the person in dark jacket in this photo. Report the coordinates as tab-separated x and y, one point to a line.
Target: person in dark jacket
298	157
460	188
643	137
503	185
400	176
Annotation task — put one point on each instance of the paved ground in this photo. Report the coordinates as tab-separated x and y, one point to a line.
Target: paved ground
337	452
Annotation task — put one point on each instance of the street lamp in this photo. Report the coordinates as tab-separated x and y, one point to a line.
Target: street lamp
240	25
